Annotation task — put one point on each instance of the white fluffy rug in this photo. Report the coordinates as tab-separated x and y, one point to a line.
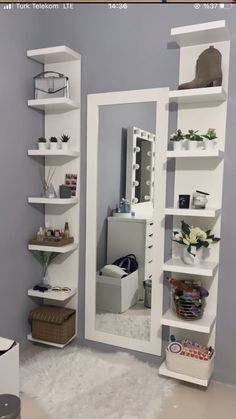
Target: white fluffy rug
137	327
78	383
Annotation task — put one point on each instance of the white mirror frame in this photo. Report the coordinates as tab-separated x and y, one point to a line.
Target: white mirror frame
161	98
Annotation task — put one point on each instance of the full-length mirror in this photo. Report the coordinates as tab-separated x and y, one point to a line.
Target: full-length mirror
124	211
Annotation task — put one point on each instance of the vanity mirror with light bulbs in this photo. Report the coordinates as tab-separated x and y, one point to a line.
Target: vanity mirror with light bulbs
126	151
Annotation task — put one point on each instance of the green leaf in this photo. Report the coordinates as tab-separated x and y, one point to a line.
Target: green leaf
185	227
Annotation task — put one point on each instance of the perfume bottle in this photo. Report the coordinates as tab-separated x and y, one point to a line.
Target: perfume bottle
40	234
66	231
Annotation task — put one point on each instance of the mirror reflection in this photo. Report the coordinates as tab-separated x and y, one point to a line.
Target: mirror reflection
124	232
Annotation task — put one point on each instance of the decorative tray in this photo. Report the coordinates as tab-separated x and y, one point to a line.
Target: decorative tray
55	243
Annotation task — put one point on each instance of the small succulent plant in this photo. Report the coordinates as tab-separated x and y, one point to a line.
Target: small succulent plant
193	135
53	140
177	136
42	140
211	134
65	138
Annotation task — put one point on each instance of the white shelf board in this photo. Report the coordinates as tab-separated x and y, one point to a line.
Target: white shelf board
57	249
53	201
68	153
194	153
190	212
176	265
163	370
53	105
52	295
203	33
53	55
203	325
44	342
205	94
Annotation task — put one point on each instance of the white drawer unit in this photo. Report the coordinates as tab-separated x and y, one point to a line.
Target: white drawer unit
128	235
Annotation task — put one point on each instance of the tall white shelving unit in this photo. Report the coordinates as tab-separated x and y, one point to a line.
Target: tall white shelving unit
198	109
62	115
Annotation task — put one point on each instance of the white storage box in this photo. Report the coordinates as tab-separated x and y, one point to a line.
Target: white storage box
9	371
116	294
190	366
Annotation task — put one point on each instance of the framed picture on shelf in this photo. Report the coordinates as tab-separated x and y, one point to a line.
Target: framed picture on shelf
71	182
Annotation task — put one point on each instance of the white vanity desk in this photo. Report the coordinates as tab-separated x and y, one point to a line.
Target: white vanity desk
132	235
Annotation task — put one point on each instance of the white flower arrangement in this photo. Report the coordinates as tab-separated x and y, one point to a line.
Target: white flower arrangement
194	236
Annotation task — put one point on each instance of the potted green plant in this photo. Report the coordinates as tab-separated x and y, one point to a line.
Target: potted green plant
64	141
177	138
194	139
45	259
53	143
210	139
42	143
194	240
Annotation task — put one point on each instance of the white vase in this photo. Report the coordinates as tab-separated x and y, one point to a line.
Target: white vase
53	146
193	145
210	144
190	259
64	146
42	146
177	145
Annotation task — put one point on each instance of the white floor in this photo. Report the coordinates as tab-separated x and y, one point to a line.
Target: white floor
217	402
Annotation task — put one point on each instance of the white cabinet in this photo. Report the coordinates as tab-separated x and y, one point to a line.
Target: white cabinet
127	235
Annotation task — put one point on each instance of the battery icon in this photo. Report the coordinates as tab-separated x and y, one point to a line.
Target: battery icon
226	6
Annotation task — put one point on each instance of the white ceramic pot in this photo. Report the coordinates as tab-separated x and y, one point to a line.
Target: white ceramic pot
53	146
64	146
177	145
210	144
193	145
42	146
190	259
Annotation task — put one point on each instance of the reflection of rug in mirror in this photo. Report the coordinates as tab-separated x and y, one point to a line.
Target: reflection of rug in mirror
79	383
125	324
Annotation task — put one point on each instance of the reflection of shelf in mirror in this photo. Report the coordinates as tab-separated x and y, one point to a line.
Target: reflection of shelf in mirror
53	55
203	33
62	249
195	154
176	265
190	212
52	295
163	370
68	153
205	94
53	201
203	325
55	105
44	342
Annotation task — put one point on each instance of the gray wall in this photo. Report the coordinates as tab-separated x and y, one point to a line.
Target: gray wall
121	50
112	141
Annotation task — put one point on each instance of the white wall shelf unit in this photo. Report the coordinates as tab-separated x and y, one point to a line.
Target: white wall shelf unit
195	154
190	212
61	116
176	265
55	153
205	94
58	105
52	295
198	109
58	249
44	342
53	201
203	325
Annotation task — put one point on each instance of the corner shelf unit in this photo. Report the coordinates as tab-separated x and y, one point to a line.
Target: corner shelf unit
198	109
61	115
